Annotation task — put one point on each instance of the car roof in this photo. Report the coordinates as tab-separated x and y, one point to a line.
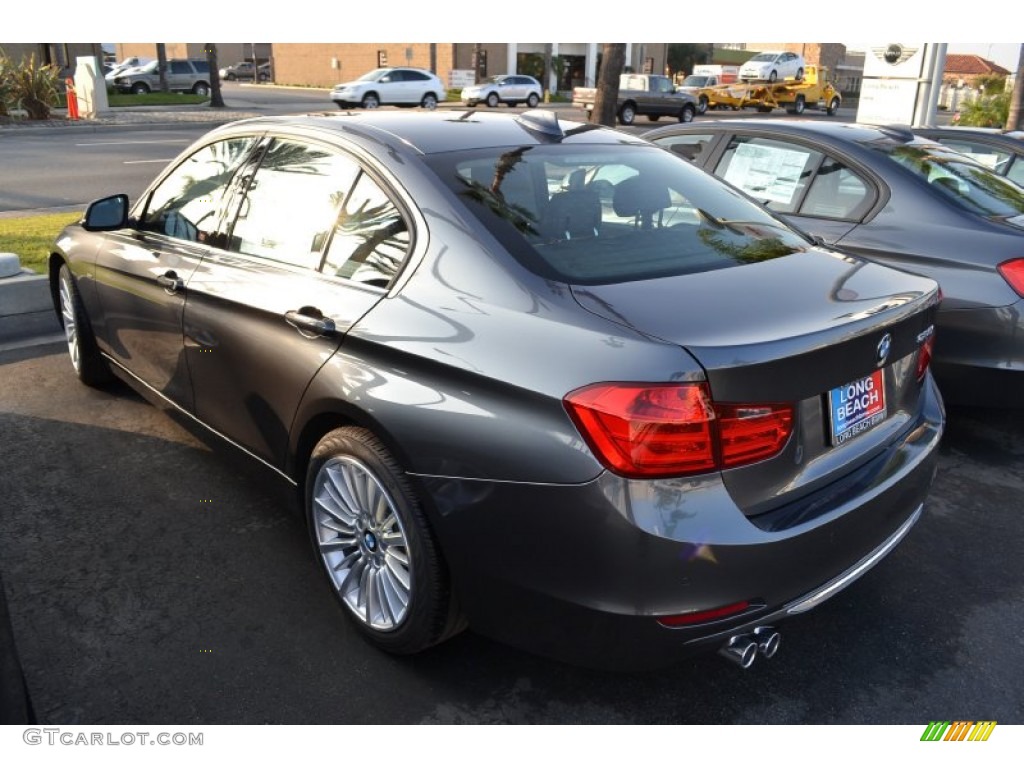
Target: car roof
853	133
442	130
952	131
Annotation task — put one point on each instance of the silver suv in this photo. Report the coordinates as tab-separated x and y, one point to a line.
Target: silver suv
191	75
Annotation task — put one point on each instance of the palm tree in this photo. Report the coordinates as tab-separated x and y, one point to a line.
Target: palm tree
613	60
216	100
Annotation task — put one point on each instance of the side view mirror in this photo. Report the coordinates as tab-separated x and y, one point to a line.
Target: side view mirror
106	214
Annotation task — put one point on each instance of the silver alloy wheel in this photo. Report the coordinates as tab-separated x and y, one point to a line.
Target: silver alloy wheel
361	540
67	310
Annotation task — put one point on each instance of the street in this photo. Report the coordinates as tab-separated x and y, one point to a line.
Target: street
156	577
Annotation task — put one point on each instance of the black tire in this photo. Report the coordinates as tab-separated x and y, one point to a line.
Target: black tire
90	367
800	74
532	100
833	106
798	106
429	101
627	114
394	556
654	118
702	105
773	76
492	100
140	88
201	89
229	76
764	109
370	101
687	113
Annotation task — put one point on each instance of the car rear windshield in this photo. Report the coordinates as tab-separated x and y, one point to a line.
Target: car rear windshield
597	214
969	185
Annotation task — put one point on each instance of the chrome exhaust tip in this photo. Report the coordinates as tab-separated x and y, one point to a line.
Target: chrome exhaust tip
741	650
768	640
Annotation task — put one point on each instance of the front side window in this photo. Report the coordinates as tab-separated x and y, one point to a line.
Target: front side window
598	214
186	204
288	207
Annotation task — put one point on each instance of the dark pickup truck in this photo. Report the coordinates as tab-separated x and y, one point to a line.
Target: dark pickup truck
651	95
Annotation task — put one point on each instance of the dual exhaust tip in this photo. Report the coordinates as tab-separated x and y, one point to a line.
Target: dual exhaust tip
744	649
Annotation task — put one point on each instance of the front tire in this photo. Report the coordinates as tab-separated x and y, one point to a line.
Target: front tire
833	106
773	76
702	105
373	540
627	115
90	367
687	113
492	100
370	101
140	88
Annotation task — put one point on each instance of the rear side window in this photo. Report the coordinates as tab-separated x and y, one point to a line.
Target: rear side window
836	193
691	146
288	208
775	173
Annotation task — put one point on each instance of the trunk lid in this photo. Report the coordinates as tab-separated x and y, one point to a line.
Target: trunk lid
808	329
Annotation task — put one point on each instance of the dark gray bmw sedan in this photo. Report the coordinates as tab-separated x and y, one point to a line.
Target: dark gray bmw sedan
538	378
884	194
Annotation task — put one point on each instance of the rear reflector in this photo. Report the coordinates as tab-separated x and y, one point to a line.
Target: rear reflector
1013	273
668	430
700	617
924	352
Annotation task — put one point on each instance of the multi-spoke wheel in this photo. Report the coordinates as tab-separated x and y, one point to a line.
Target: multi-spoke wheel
89	365
375	544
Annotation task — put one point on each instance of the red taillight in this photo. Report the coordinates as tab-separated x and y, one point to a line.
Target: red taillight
699	617
751	433
1013	273
647	430
924	353
667	430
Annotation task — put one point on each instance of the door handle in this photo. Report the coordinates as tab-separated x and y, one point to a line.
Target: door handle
170	281
309	321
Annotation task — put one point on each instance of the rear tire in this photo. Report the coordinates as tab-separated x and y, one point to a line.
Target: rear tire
201	89
798	106
492	100
373	540
532	100
429	101
833	106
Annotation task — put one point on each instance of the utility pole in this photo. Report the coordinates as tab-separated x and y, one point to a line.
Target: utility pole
1013	120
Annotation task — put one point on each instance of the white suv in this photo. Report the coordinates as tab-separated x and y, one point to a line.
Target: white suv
402	86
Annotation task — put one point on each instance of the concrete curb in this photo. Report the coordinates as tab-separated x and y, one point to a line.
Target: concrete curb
26	311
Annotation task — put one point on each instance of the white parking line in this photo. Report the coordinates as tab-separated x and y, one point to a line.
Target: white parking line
139	162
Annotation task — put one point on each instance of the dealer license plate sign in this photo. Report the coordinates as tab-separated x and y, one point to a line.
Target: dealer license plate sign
857	407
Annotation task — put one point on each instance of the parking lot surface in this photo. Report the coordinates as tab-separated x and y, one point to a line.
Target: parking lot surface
155	577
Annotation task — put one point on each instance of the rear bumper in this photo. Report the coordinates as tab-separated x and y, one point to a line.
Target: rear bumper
581	573
979	355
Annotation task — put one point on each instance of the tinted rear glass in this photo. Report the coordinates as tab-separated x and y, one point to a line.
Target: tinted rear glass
611	213
972	187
